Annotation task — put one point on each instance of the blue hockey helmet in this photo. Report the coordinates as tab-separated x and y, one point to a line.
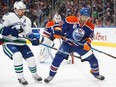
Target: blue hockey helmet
85	11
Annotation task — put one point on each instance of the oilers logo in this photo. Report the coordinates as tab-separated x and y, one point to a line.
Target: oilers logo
78	34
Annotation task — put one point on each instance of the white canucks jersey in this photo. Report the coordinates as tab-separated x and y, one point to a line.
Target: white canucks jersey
17	22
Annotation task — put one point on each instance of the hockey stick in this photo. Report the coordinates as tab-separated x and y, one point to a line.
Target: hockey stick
66	39
26	41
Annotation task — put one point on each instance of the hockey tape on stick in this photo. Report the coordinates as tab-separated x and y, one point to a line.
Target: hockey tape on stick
77	43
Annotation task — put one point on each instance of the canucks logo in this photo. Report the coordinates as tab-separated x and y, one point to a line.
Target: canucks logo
78	34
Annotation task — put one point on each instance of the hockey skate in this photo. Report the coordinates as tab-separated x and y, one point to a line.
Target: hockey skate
100	77
48	79
36	77
23	81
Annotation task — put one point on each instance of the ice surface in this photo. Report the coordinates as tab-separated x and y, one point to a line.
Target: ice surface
69	75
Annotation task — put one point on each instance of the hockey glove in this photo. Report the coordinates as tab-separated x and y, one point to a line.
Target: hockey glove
34	40
57	32
86	45
15	32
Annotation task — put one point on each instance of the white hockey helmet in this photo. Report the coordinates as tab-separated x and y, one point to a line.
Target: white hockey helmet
19	5
57	18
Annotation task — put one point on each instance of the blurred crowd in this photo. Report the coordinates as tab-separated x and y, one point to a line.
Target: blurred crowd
102	11
37	10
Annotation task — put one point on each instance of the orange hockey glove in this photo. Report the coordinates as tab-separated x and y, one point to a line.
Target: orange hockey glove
87	46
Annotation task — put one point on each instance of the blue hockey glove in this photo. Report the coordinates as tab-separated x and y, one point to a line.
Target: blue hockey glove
34	40
9	30
15	32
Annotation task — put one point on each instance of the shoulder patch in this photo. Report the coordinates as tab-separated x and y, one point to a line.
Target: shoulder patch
50	24
72	19
90	25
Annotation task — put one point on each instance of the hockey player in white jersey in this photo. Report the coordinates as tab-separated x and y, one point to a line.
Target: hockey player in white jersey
13	26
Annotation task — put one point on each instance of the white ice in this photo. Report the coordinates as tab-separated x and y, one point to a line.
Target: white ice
69	75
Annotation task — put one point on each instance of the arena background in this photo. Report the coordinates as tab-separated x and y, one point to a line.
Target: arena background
103	15
103	12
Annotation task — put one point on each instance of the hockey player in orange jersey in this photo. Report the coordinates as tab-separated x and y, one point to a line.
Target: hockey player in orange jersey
76	30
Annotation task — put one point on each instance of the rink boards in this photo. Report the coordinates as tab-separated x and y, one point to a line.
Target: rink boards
105	37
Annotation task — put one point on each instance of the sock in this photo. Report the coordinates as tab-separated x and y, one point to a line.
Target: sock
94	65
55	64
18	64
32	65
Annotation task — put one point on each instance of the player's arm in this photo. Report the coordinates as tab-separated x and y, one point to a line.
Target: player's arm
89	39
58	30
29	34
5	28
48	31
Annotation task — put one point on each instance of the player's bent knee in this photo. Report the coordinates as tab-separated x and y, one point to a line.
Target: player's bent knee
87	56
31	61
17	57
63	55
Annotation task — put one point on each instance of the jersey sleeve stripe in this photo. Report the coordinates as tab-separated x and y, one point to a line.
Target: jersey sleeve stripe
72	20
